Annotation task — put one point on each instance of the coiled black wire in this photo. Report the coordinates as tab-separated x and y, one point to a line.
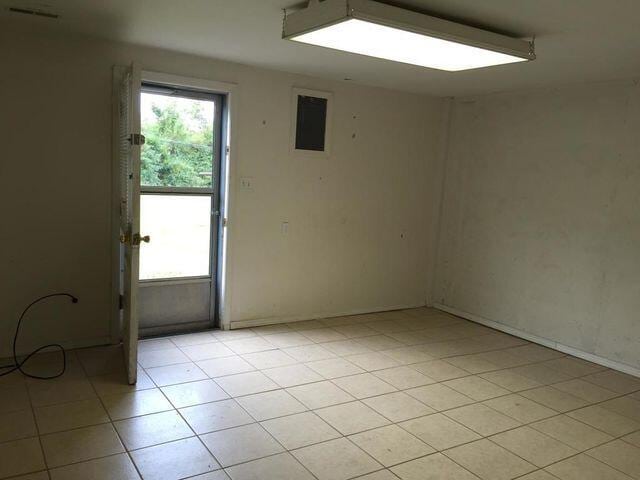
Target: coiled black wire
18	364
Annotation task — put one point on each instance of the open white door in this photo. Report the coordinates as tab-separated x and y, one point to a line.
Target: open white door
130	141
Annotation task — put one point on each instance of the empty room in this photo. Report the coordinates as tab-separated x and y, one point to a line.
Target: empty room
320	240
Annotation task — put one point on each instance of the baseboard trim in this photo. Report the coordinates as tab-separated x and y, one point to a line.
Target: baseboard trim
259	322
605	362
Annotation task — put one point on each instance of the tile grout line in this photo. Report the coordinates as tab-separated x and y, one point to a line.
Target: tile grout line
120	439
250	416
35	421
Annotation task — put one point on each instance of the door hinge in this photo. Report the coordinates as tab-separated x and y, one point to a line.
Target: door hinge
137	139
121	302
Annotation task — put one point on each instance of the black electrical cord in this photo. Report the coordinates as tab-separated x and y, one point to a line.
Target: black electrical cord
17	364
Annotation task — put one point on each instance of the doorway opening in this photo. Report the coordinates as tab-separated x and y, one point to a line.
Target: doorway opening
180	192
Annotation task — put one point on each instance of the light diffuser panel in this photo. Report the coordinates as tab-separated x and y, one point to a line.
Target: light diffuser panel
377	29
380	41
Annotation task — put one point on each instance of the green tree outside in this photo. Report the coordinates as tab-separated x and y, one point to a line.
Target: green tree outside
178	151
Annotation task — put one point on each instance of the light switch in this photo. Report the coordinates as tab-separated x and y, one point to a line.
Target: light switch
246	183
284	228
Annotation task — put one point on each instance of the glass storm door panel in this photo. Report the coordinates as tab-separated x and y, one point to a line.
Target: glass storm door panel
180	226
179	147
179	196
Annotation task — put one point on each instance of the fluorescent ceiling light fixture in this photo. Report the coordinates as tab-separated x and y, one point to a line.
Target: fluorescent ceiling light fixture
383	31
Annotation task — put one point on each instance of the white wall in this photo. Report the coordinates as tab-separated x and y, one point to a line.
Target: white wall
541	218
359	220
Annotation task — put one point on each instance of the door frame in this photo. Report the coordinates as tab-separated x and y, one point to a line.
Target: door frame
222	302
215	225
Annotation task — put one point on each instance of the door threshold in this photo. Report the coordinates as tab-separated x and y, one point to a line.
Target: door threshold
176	329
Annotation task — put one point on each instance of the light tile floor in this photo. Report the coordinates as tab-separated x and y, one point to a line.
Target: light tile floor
412	395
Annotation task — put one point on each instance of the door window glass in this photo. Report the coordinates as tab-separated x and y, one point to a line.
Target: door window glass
179	146
180	231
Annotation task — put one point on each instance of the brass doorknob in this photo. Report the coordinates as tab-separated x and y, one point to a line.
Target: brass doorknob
137	239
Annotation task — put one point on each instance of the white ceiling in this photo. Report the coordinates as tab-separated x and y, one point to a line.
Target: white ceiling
576	40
